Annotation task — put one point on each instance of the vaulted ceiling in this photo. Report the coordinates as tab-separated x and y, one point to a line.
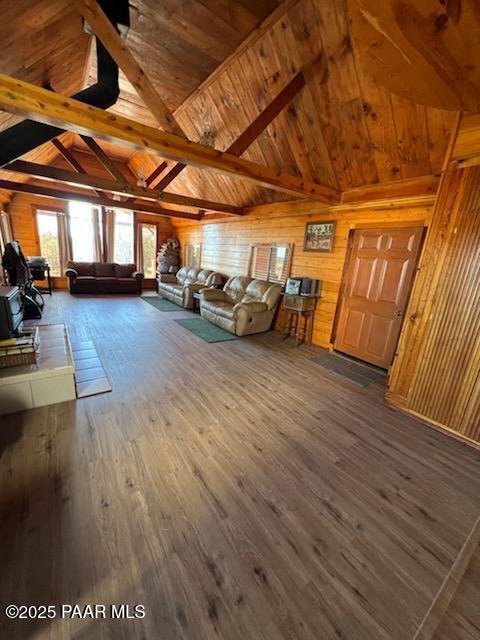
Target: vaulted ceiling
179	44
217	66
42	42
342	130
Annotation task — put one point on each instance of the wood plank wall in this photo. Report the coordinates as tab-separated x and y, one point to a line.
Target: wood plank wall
226	244
437	371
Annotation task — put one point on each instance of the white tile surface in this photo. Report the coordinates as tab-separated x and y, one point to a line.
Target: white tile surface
48	382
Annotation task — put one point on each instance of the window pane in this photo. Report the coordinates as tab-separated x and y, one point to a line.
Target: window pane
278	265
123	244
81	231
270	262
196	255
193	254
48	234
149	241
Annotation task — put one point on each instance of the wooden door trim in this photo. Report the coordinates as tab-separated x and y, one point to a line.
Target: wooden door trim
341	291
348	255
354	226
409	294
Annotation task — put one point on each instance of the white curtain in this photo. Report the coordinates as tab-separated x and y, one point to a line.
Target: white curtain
97	237
138	253
6	234
64	241
110	235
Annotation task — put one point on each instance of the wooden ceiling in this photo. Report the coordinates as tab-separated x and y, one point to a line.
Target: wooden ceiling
436	39
179	44
342	130
44	43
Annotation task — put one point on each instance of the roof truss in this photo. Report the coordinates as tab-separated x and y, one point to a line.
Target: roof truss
252	132
59	194
17	96
110	39
83	180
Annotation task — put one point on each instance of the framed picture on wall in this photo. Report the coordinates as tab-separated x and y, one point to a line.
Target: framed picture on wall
319	236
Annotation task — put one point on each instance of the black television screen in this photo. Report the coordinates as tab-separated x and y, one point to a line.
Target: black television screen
11	314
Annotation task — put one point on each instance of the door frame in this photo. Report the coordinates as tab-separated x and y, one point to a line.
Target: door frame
348	256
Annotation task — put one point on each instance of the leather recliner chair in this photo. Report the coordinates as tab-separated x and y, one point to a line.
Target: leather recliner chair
244	306
180	288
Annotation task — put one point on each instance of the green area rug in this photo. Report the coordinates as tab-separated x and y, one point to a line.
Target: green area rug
206	330
161	304
360	374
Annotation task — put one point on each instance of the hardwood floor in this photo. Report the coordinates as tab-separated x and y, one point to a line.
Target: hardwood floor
237	490
462	618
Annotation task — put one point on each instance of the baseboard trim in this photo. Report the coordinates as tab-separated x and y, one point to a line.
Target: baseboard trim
446	593
396	403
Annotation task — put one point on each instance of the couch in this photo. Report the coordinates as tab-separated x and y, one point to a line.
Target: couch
103	277
179	288
244	306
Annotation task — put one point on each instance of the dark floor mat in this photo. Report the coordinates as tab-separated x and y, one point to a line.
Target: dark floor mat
161	303
358	373
205	330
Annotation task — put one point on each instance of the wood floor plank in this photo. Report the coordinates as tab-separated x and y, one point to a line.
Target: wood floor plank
462	618
440	605
236	490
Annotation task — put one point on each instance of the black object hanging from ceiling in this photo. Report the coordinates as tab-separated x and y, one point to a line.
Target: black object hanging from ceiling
27	135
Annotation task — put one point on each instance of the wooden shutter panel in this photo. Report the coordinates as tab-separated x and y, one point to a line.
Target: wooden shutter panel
261	262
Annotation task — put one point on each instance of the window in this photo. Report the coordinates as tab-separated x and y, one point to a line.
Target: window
82	232
193	255
47	224
270	262
123	237
149	249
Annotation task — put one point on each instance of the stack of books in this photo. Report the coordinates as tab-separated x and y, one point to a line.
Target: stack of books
20	350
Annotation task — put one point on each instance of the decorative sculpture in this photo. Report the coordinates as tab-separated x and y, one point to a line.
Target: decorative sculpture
168	258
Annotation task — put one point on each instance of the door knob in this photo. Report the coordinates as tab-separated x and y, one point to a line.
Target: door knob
398	313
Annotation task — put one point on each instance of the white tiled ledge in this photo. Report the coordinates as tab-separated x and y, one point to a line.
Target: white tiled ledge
52	381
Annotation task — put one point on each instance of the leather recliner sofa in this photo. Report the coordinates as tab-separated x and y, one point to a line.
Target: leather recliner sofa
103	277
244	306
180	288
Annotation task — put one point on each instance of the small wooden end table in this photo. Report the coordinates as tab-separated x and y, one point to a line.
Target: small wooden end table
196	303
299	314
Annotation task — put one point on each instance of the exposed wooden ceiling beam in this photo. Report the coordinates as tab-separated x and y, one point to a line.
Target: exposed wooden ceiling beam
107	34
422	186
252	132
261	122
272	18
283	7
72	160
155	173
60	194
17	96
82	180
466	146
104	160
